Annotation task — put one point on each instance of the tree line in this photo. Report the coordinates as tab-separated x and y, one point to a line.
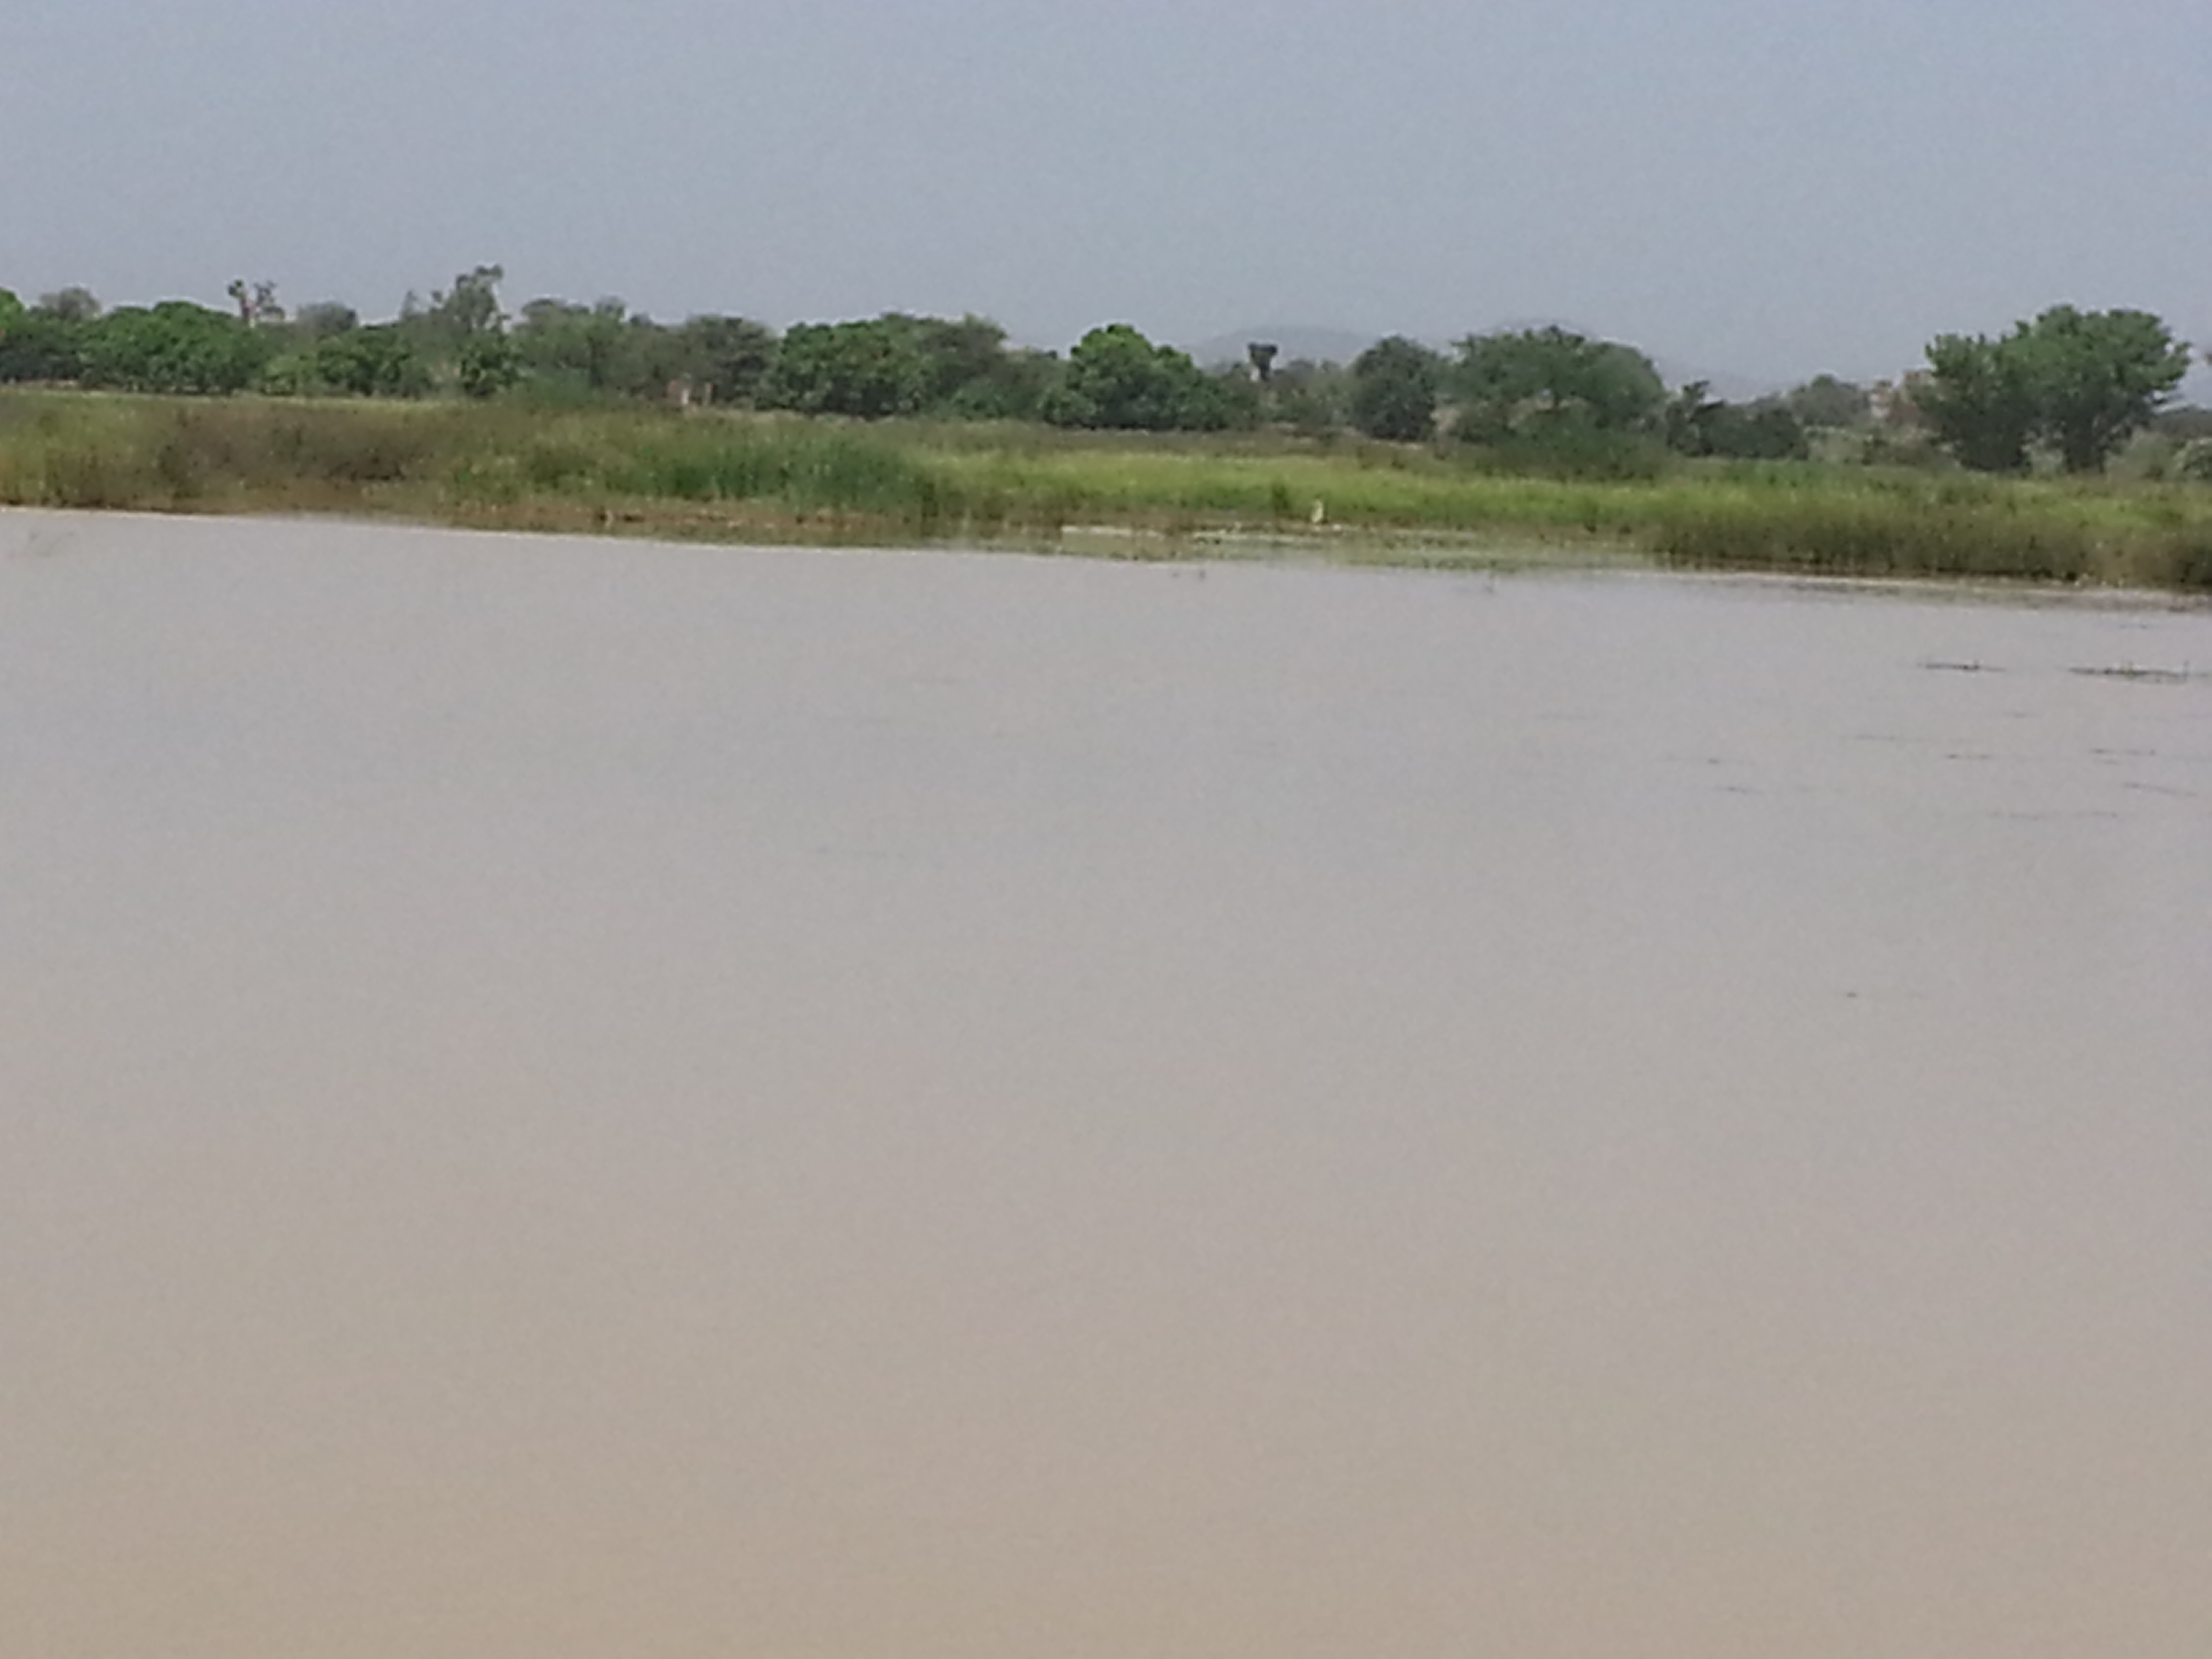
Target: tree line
2070	383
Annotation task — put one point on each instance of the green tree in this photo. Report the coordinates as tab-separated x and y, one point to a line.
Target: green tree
2082	382
653	358
1394	390
2098	377
1548	383
1688	420
46	341
70	304
321	319
726	357
175	347
1826	401
11	312
959	355
898	364
1117	379
867	369
461	335
971	374
486	366
1767	430
1315	398
37	346
1015	387
1979	401
1239	397
585	347
378	362
470	308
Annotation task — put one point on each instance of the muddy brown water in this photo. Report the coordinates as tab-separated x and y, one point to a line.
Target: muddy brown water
564	1099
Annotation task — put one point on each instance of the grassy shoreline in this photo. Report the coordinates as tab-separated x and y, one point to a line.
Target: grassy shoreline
741	477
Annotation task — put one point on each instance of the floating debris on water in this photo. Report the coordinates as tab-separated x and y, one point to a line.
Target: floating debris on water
2157	676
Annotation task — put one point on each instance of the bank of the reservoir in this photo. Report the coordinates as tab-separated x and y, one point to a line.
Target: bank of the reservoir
739	477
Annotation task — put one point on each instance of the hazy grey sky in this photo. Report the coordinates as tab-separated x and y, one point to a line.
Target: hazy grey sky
1764	186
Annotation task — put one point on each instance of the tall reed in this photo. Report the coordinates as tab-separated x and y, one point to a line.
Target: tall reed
735	474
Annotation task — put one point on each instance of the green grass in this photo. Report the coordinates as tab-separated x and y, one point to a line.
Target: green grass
740	477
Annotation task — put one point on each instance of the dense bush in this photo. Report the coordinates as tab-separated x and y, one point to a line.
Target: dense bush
173	347
1768	430
1394	390
1117	379
2079	382
1547	383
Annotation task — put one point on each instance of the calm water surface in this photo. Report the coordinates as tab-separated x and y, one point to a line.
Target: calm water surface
566	1099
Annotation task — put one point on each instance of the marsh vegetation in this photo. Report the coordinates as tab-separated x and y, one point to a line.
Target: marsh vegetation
741	475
